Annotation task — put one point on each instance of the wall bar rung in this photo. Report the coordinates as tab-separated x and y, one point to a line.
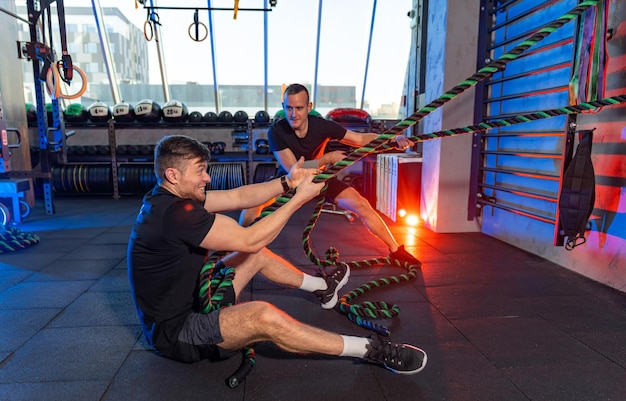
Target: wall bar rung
522	173
517	211
520	192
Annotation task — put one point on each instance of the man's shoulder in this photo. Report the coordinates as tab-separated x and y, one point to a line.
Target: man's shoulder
278	126
328	128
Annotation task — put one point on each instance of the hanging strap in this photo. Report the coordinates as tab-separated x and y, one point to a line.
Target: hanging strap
578	193
588	80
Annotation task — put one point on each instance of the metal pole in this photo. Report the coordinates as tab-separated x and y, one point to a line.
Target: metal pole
106	51
317	51
369	48
157	31
215	85
265	57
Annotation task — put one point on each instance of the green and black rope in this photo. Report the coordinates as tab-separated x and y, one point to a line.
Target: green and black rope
358	313
213	284
14	239
523	118
380	142
497	65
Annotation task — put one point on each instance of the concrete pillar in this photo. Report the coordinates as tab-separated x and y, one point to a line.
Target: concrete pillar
451	57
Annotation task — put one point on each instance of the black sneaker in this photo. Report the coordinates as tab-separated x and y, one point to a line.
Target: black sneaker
402	255
335	281
403	359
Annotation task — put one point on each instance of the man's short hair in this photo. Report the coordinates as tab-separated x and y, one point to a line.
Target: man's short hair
172	150
295	89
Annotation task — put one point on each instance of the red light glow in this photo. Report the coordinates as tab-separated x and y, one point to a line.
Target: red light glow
412	220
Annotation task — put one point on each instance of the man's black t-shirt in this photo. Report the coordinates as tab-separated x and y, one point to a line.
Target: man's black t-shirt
281	136
164	263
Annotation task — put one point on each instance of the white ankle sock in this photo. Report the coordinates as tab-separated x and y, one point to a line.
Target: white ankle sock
312	283
354	346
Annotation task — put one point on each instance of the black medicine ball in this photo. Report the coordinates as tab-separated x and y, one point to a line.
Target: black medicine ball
148	111
174	111
124	112
195	117
240	116
262	116
225	117
99	112
210	117
31	113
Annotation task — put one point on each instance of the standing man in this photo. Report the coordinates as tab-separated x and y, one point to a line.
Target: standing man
179	222
303	135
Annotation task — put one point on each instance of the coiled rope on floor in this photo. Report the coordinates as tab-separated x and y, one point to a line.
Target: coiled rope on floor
14	239
359	313
362	313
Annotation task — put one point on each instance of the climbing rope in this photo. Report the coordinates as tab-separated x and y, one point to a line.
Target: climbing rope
358	313
523	118
213	284
14	239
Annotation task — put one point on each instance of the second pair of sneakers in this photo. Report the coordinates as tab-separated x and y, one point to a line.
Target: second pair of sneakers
335	281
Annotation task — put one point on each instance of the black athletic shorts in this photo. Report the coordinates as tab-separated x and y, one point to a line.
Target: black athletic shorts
200	332
335	187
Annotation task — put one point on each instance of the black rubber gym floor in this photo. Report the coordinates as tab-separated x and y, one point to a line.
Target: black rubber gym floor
497	323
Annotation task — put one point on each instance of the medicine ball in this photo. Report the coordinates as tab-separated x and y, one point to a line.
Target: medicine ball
195	117
99	112
315	113
174	111
148	111
210	117
217	148
225	117
31	113
124	112
76	113
240	116
280	114
261	147
262	117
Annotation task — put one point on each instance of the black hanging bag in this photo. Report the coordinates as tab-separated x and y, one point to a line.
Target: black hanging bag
578	193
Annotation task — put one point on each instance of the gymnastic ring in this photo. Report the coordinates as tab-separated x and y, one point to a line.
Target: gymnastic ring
148	23
206	31
5	215
26	207
53	83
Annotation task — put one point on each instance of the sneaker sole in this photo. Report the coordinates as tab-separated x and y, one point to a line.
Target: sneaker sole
333	301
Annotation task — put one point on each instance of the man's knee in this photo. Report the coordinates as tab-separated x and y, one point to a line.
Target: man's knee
351	199
261	314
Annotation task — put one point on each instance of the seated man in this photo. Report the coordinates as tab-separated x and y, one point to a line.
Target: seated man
179	222
303	135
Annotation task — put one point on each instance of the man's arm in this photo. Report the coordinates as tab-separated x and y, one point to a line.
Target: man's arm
352	138
286	158
253	195
227	235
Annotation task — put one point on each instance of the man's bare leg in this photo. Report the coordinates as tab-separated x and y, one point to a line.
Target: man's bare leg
351	200
247	323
